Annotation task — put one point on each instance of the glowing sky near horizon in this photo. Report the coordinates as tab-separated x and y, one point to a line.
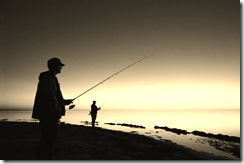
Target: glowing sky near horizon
196	47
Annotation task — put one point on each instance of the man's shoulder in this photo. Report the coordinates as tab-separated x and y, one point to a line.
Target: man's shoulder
45	75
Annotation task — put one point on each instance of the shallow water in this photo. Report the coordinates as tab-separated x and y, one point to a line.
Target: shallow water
216	122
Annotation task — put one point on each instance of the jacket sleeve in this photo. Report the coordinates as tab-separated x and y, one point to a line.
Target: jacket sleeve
55	103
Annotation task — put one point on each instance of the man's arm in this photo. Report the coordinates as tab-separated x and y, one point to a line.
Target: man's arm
68	101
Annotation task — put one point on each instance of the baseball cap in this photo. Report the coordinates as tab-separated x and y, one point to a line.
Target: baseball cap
54	62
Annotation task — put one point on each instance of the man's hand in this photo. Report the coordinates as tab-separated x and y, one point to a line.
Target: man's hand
68	101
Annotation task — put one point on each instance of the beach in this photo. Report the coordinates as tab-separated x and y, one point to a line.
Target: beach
19	141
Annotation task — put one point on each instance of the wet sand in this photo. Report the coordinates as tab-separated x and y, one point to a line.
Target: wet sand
19	141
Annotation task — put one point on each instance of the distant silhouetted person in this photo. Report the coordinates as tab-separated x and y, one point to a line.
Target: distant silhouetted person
93	112
49	107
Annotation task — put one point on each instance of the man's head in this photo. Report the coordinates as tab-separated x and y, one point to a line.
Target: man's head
55	65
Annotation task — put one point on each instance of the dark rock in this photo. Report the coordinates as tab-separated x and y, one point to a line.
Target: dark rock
218	136
110	123
132	126
173	130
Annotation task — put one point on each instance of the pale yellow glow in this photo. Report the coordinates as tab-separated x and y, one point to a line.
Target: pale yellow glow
156	95
165	97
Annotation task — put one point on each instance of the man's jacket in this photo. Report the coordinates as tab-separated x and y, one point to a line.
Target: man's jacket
94	108
49	102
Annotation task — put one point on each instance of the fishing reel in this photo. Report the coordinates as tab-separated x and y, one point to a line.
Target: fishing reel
72	105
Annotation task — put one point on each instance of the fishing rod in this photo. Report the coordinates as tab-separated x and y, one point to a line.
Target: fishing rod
72	106
102	104
111	76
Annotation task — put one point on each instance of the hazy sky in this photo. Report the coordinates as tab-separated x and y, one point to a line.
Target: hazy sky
196	47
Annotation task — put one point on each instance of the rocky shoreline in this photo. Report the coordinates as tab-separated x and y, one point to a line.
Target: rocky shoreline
226	143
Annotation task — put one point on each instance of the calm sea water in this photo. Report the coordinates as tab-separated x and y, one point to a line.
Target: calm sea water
212	121
225	122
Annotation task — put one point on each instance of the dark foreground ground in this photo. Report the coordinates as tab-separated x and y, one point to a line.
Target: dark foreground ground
19	141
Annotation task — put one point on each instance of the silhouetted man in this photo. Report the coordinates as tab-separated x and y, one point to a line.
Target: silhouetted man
93	112
49	107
